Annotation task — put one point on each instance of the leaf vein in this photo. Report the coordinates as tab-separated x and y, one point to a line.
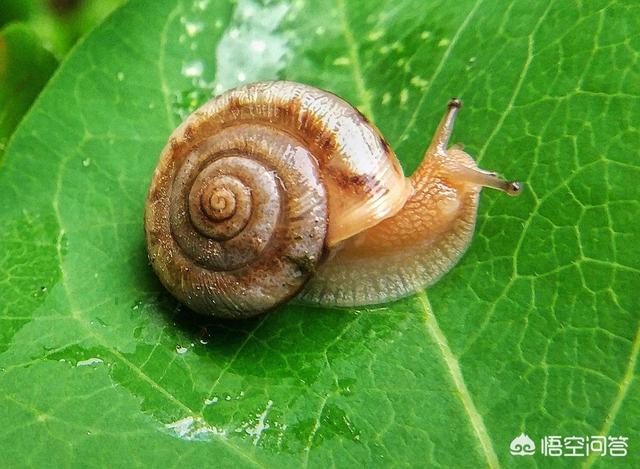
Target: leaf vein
623	388
439	67
250	336
518	87
455	373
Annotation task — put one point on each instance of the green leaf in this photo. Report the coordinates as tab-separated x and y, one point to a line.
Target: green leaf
536	331
25	67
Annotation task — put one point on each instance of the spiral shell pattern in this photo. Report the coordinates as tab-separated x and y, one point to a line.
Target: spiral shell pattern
239	208
236	224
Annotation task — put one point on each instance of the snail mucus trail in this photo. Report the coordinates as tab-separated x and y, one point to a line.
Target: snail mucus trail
277	190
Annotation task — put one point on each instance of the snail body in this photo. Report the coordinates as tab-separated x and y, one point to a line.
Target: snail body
278	189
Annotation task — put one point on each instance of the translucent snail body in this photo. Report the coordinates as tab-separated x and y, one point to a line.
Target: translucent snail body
278	189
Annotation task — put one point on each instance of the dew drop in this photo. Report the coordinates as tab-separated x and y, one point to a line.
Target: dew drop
181	350
254	29
89	362
419	82
193	69
202	5
193	28
404	96
375	35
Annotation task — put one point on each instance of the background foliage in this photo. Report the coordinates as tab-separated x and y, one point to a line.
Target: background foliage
536	331
34	36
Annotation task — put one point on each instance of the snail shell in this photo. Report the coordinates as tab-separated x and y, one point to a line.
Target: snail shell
276	185
237	217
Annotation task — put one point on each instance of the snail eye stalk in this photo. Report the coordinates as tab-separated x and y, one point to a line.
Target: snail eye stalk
461	173
445	128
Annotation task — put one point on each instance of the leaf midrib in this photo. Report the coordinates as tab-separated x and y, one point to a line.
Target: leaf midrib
453	367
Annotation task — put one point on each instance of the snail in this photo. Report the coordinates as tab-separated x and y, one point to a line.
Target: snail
276	190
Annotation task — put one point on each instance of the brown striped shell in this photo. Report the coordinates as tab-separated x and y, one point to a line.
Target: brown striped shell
256	186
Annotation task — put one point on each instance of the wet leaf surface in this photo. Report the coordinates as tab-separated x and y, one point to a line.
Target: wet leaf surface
536	331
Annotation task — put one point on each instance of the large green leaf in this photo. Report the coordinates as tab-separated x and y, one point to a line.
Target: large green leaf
536	331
